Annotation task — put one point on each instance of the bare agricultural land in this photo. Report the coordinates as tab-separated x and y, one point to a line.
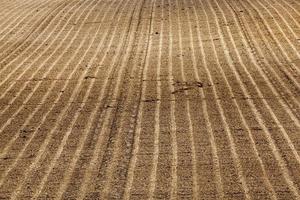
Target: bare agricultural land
150	99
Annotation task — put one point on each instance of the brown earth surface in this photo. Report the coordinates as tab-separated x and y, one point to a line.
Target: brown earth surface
150	99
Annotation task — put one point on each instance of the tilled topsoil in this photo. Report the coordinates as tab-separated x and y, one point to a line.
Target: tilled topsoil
150	99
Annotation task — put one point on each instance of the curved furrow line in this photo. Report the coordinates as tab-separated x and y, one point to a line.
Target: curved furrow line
77	86
295	81
290	7
291	114
130	174
28	68
33	54
294	105
215	158
174	145
72	166
283	5
275	150
272	35
4	150
221	111
13	11
140	111
15	48
290	62
146	167
296	101
74	120
108	189
7	4
106	134
89	8
292	111
257	53
151	99
101	140
265	129
185	180
188	106
134	117
285	135
31	95
19	50
245	124
114	166
95	115
280	27
293	2
15	8
280	14
24	148
157	128
18	22
11	8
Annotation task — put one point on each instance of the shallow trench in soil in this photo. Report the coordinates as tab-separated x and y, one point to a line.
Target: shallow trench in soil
150	99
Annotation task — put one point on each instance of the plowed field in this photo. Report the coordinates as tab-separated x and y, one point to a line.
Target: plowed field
150	99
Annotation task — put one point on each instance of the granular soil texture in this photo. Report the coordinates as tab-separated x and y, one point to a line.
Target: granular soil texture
150	99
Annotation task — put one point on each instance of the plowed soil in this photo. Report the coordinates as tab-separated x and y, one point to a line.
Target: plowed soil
150	99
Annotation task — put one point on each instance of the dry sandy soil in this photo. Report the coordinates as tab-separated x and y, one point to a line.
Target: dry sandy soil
159	99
